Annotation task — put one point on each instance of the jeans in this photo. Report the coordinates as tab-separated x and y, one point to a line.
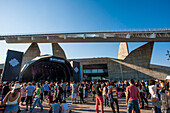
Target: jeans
99	98
35	103
157	110
133	104
63	95
105	100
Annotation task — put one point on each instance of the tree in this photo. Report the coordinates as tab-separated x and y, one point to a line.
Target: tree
168	54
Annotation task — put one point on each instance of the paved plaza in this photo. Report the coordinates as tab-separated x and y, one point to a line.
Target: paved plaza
88	107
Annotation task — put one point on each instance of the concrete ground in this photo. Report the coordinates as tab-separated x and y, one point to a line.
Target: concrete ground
88	107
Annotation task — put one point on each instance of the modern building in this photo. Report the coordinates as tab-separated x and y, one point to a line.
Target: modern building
135	64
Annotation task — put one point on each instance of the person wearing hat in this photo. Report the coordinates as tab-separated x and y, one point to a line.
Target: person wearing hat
12	99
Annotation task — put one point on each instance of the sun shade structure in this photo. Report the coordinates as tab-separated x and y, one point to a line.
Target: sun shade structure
81	37
46	68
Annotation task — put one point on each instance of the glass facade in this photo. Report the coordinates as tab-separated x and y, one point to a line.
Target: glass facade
94	70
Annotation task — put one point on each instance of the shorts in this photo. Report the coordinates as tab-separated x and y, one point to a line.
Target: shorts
41	96
45	93
74	95
11	108
29	100
22	99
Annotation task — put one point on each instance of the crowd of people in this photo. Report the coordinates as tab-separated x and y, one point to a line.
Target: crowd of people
106	93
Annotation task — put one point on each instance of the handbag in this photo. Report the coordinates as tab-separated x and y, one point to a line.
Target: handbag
154	99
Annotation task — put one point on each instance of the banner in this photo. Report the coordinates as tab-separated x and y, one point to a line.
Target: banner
12	66
76	72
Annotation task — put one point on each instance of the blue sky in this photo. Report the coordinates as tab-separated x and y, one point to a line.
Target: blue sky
55	16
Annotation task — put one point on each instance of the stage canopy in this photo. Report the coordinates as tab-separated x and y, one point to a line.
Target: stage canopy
46	68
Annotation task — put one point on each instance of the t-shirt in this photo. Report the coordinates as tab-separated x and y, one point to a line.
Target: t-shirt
80	90
104	91
68	87
133	92
74	88
55	107
120	85
5	90
42	89
99	93
38	91
63	86
30	89
60	90
152	90
114	93
23	92
86	87
46	87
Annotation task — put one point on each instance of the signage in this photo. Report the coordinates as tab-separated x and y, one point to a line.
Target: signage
12	66
57	60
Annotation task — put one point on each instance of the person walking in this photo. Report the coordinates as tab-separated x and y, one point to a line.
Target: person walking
23	93
42	91
37	98
81	93
63	96
59	91
74	91
113	95
12	99
5	90
105	91
46	90
99	97
142	89
68	89
93	91
30	90
132	97
85	90
154	96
